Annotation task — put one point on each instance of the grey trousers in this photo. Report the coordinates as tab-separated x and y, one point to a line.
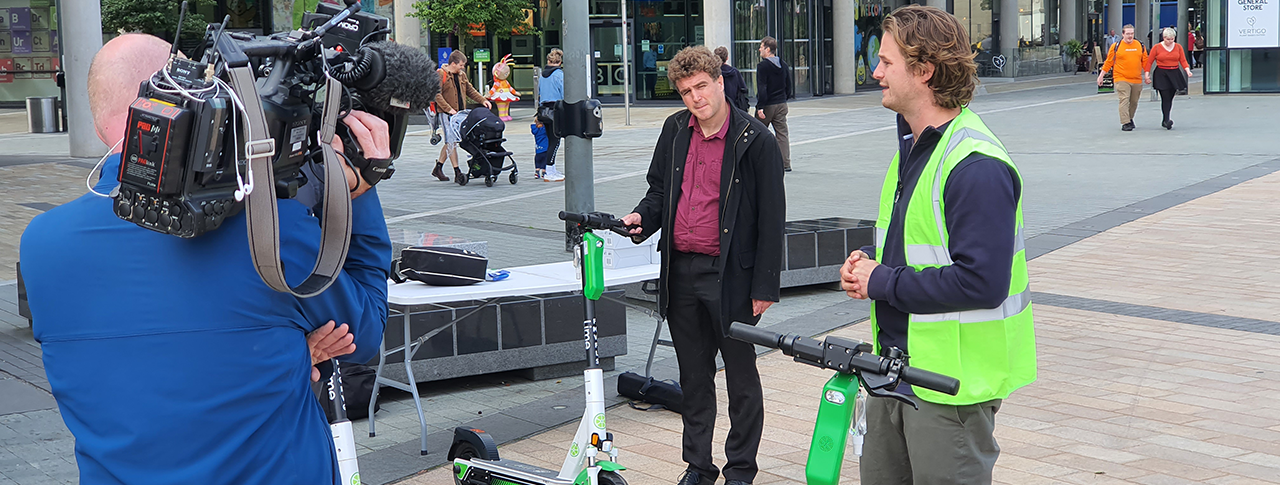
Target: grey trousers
938	444
776	115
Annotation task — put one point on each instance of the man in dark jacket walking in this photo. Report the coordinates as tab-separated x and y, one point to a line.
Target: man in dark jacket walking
735	88
773	87
715	186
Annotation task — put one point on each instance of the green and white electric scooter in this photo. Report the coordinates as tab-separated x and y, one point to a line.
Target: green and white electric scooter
591	458
855	366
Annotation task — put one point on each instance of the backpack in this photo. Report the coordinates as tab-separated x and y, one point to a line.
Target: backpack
1199	42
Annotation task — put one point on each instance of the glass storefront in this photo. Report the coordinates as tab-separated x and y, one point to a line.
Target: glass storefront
1243	47
867	34
28	50
750	24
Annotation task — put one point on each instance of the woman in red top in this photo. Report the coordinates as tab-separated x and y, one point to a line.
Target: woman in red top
1168	57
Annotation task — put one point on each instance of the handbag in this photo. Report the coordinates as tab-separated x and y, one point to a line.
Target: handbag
659	394
439	266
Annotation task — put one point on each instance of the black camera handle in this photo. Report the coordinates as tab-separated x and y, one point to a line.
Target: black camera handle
262	216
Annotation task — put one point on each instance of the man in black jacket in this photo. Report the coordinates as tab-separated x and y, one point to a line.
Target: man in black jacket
715	186
734	87
773	87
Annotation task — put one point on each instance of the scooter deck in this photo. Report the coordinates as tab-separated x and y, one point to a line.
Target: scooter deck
520	472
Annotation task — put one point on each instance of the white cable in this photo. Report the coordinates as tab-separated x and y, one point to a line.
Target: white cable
244	189
99	166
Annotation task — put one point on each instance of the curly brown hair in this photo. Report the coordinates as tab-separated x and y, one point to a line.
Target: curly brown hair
928	35
693	60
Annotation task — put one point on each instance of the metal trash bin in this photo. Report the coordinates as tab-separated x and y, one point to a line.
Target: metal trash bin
42	114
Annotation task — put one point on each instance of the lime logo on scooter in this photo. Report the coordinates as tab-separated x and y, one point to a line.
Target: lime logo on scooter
826	443
600	421
835	397
574	450
355	479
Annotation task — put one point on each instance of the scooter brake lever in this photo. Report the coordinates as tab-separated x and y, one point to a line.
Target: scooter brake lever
882	393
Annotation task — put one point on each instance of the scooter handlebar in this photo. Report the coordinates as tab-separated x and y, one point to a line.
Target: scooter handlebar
812	352
758	336
597	220
930	380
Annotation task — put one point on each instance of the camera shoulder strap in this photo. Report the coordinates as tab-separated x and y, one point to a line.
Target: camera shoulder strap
262	216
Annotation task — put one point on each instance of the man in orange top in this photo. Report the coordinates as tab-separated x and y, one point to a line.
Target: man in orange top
1127	57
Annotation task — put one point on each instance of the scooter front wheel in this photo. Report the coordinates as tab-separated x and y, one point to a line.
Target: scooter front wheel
611	478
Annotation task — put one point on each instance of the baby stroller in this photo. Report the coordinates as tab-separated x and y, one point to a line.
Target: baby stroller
482	139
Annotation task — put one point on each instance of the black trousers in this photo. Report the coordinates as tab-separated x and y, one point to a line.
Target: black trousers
693	315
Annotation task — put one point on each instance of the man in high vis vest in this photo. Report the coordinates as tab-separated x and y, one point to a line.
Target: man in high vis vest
947	275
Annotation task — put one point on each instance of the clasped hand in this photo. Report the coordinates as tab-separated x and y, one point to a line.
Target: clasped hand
855	275
327	342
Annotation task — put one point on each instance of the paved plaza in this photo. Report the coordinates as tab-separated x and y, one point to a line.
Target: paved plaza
1155	283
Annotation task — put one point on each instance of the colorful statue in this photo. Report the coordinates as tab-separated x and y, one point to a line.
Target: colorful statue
501	93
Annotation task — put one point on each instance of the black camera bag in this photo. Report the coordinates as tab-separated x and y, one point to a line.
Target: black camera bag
439	266
661	394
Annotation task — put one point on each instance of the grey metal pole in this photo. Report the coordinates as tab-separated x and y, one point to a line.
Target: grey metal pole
579	188
626	66
82	38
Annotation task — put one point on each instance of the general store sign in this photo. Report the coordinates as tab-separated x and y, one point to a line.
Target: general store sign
1253	23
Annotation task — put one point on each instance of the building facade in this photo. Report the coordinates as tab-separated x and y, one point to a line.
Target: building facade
831	45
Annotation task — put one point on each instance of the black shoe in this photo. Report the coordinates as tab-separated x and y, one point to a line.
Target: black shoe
439	173
784	169
459	177
1127	126
690	477
736	482
1168	124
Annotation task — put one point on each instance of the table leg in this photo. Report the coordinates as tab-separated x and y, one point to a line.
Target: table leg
377	384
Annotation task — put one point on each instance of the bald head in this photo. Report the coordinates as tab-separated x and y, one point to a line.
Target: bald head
117	70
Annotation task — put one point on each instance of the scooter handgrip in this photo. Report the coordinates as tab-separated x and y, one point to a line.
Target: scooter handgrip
930	380
751	334
572	217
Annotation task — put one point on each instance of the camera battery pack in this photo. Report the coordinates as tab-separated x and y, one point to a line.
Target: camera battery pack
157	134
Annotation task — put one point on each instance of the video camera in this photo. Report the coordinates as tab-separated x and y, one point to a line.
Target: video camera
208	138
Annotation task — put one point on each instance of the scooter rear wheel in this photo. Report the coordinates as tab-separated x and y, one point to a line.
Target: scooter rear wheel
611	478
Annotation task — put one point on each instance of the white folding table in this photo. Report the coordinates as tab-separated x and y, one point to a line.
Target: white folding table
524	280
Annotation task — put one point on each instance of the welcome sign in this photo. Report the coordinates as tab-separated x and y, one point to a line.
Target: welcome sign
1253	23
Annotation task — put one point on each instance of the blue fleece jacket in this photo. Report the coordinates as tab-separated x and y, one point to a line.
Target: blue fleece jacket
981	197
171	360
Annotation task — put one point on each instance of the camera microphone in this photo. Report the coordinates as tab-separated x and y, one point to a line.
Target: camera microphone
410	82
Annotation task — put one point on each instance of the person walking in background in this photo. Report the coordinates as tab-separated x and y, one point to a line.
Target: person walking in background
1200	49
1191	48
539	148
455	88
1111	39
1127	59
773	87
550	90
947	274
1168	57
735	88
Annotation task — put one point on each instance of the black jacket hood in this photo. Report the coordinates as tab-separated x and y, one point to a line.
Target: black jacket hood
547	71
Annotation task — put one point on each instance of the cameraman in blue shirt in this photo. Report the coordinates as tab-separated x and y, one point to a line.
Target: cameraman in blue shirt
170	359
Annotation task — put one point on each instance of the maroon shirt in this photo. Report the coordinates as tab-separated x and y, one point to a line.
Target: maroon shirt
697	228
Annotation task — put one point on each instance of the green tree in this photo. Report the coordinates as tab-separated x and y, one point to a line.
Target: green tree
155	17
499	17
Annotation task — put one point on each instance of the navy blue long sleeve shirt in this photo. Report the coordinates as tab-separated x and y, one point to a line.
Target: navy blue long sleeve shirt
981	198
171	360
